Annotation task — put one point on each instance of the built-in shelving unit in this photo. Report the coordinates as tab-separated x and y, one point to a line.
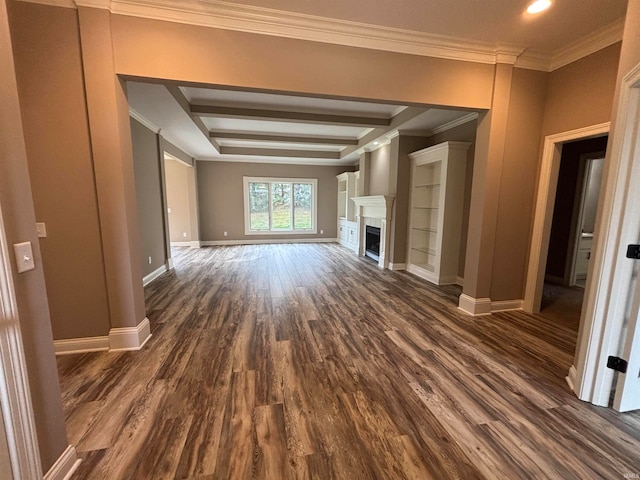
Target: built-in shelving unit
347	227
436	206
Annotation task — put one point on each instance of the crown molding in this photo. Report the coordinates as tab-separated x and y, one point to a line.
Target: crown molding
454	123
267	21
143	120
592	43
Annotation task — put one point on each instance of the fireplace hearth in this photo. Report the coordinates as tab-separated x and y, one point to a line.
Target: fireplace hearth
372	242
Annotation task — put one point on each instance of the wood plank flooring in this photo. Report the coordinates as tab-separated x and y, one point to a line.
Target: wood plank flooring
306	362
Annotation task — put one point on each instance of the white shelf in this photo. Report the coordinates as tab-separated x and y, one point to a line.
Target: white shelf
437	196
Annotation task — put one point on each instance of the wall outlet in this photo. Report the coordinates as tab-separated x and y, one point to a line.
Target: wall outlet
321	232
41	229
184	234
225	234
149	260
169	210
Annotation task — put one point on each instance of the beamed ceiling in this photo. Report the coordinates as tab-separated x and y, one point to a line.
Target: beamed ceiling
219	124
230	125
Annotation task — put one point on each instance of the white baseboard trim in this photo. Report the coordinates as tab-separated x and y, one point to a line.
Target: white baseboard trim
170	264
192	244
81	345
64	466
571	378
130	338
506	305
217	243
180	244
397	266
474	306
147	279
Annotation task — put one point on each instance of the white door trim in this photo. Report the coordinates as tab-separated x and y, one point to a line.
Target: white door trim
610	273
15	396
547	184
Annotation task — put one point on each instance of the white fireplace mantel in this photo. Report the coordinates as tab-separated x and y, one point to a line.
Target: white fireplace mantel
375	207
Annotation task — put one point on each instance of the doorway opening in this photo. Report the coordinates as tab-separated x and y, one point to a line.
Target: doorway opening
572	229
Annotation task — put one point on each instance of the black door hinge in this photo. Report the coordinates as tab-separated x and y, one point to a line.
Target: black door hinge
633	251
617	364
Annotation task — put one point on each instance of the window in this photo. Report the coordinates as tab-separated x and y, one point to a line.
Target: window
279	205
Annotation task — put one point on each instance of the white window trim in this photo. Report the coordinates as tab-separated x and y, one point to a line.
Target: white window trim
314	206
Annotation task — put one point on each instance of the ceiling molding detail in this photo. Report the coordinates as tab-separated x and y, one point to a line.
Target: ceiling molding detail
596	41
143	120
286	161
454	123
266	21
592	43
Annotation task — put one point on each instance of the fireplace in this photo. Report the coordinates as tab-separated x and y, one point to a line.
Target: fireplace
372	243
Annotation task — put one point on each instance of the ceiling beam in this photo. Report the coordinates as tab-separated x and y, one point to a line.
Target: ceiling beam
279	152
184	104
403	117
258	137
288	116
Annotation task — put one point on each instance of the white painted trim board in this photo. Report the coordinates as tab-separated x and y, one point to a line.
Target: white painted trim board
64	467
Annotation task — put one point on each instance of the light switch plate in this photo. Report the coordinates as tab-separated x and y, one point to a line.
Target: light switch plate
24	257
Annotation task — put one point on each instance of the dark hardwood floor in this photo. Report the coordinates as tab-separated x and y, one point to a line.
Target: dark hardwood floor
304	361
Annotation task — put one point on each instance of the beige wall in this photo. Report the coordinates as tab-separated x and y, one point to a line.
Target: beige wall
16	201
581	94
48	59
177	178
149	195
221	203
155	49
518	185
380	171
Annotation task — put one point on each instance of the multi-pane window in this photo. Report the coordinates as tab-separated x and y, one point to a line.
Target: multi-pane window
279	205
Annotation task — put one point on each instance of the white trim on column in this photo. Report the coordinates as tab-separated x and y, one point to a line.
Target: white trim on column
571	378
147	279
474	306
397	266
130	338
64	467
81	345
191	244
15	397
547	184
506	305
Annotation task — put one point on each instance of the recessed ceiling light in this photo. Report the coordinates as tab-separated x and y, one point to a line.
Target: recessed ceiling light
538	6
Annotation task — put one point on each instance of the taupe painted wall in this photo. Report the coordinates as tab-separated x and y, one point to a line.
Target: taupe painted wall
149	195
221	203
581	94
177	178
380	170
16	201
48	59
518	185
155	49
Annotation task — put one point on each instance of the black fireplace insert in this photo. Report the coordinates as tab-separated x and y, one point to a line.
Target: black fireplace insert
372	242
